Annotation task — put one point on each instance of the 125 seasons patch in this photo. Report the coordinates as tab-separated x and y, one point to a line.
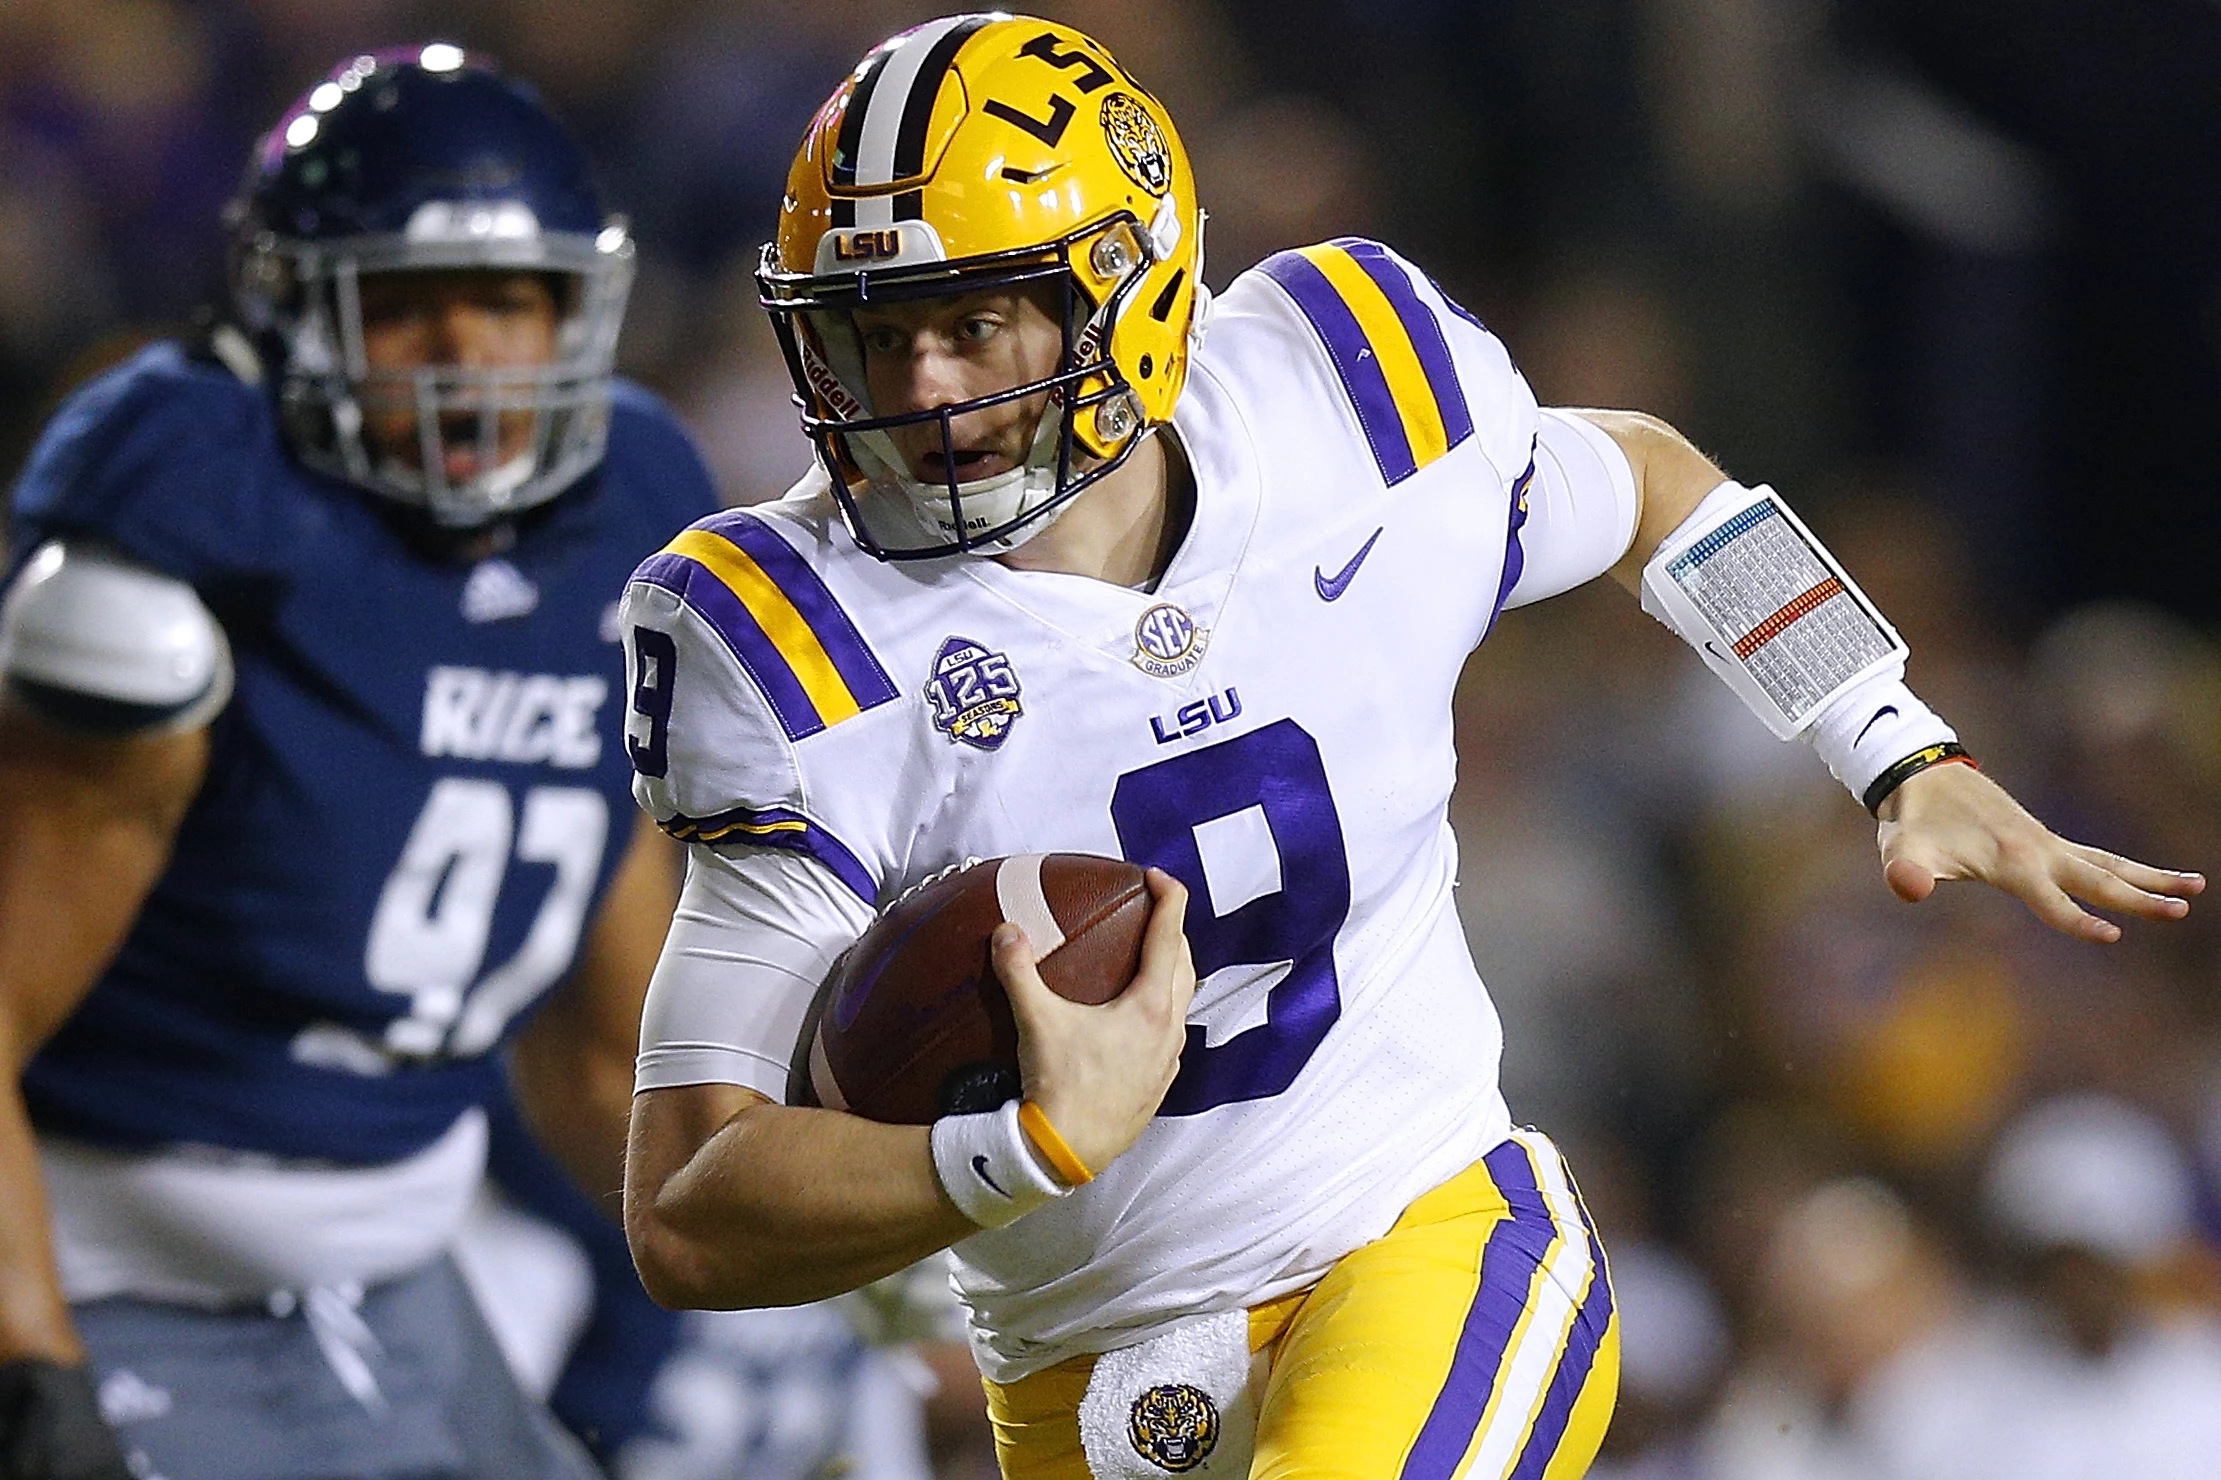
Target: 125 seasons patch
974	693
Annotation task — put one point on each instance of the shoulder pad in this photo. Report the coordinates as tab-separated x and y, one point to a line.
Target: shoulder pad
98	642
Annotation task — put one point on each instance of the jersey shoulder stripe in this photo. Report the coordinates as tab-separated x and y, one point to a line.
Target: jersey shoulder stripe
782	828
776	616
1387	346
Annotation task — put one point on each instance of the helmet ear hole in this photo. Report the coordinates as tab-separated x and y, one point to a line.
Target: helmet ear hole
1117	417
1116	253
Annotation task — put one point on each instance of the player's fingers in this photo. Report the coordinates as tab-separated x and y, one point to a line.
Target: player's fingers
2055	908
1020	972
1170	895
2105	888
1164	944
1909	880
2174	883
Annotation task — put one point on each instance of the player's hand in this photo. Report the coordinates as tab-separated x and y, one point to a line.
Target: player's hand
1953	822
1099	1073
50	1425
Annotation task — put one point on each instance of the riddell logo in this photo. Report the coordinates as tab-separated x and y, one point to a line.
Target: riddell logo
866	246
829	387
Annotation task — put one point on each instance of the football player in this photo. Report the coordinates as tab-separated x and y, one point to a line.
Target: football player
1093	563
313	798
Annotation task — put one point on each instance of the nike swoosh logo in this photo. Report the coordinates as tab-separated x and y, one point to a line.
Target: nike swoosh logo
1877	719
979	1165
1332	587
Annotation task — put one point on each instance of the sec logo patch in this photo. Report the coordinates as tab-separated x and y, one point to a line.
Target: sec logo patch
1167	641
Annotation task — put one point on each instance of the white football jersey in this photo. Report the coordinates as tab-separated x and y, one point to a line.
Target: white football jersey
1271	725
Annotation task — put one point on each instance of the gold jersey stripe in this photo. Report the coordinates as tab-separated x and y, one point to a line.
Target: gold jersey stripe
1392	347
789	632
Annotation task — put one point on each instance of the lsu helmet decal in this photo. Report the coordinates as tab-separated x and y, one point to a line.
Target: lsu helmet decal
974	153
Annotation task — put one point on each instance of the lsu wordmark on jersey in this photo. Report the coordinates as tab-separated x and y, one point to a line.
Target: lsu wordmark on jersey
1271	725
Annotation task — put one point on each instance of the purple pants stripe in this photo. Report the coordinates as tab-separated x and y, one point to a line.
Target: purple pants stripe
1425	331
852	657
1354	360
1573	1368
729	617
1516	1248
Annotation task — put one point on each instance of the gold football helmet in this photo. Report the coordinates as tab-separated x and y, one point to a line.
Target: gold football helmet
970	153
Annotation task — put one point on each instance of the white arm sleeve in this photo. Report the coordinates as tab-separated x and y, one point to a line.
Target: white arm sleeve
755	932
1581	507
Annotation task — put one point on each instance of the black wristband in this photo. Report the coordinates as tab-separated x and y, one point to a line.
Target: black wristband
1911	766
50	1425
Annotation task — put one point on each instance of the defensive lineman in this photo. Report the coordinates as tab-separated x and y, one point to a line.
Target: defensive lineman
1077	574
312	786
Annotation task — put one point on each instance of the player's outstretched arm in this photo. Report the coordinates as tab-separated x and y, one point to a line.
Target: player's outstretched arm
1943	821
732	1201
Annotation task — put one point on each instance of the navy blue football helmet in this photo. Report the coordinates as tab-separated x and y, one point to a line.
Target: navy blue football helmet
428	159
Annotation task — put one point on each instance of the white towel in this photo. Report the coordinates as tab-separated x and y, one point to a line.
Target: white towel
1181	1403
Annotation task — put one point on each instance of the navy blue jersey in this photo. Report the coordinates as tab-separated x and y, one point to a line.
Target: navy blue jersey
415	798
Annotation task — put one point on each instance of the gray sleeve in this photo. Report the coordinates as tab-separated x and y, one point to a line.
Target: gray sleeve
98	642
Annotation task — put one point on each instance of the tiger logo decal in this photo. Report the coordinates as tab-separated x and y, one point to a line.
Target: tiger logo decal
1173	1426
1137	143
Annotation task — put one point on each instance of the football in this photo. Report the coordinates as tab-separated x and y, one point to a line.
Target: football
912	1023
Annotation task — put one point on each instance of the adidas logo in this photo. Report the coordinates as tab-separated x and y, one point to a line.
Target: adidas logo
497	591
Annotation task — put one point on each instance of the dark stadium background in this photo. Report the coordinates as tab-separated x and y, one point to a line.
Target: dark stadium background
1947	272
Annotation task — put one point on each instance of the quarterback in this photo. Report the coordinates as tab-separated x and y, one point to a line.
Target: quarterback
1094	563
314	799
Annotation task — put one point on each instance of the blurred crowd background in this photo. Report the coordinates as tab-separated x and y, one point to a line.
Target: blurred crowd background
1891	1191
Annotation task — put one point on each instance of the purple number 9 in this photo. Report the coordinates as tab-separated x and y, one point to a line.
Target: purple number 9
1249	826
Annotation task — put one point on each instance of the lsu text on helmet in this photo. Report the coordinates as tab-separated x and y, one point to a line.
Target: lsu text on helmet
427	159
972	153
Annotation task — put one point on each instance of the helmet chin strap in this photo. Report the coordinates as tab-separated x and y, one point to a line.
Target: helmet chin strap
991	502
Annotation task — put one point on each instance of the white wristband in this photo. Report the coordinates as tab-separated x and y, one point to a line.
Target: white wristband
1871	726
1766	606
988	1167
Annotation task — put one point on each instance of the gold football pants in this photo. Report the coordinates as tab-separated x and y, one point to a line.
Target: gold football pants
1476	1340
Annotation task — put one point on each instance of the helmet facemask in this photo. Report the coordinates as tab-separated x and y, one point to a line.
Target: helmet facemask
534	428
1089	424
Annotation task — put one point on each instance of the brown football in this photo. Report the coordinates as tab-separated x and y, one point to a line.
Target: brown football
912	1024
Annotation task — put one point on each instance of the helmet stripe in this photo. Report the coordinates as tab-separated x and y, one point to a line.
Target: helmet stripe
890	100
917	113
851	137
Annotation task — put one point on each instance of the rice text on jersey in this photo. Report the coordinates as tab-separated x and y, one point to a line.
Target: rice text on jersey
524	718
